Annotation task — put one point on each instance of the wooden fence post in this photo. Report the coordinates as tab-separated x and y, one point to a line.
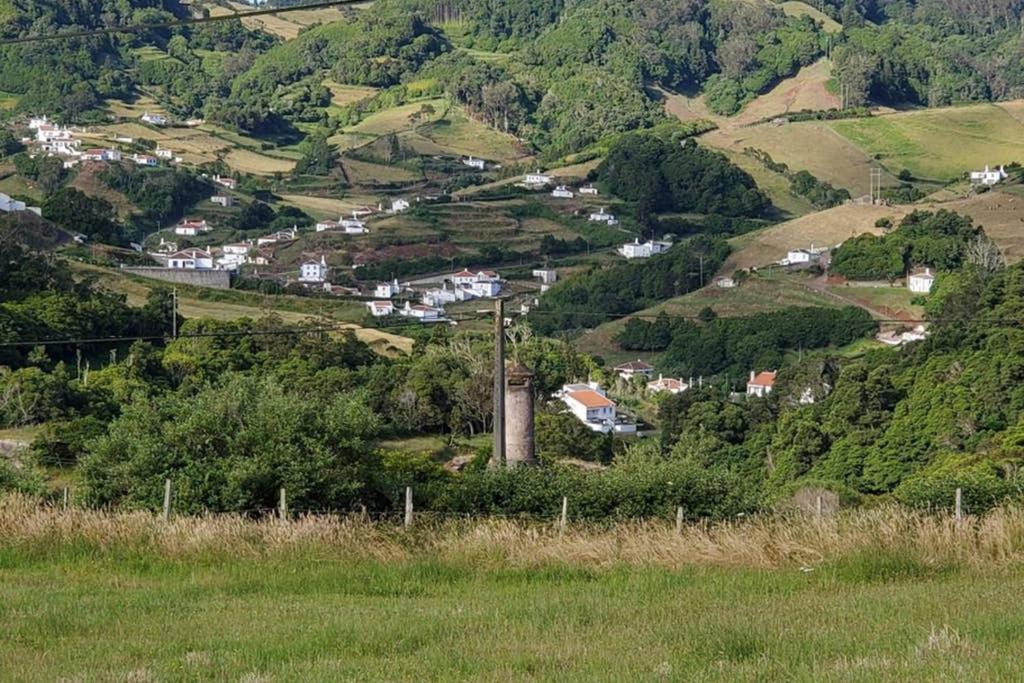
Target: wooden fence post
679	520
282	505
64	501
958	511
563	522
819	507
408	507
167	499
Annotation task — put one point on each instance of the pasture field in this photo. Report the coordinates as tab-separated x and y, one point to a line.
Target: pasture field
9	100
342	95
459	135
809	145
878	596
369	173
257	164
775	185
825	228
919	141
397	119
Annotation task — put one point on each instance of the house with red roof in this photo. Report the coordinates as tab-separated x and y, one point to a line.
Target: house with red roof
761	383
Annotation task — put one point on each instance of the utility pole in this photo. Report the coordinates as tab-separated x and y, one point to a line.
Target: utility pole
498	457
174	313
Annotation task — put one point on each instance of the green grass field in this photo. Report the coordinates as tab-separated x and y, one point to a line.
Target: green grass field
90	598
940	144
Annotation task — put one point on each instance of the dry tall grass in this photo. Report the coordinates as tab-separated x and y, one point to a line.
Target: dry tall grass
996	539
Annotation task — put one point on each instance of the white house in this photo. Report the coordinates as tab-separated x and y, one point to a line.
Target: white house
313	271
399	205
589	190
921	281
154	119
562	192
647	249
144	160
381	309
190	227
478	164
226	181
547	277
67	147
101	155
590	405
263	257
191	259
234	255
386	290
483	283
725	282
989	177
422	312
10	205
897	338
761	383
38	121
353	226
224	200
166	247
667	384
279	236
537	179
163	153
798	257
633	369
602	217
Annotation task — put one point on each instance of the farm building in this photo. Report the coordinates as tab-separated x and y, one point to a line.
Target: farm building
223	200
478	164
725	282
423	313
562	192
537	179
589	190
154	119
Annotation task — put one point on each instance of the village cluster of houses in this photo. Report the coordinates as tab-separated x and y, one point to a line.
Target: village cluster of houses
466	285
64	142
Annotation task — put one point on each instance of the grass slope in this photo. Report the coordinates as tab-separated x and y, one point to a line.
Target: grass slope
95	598
940	144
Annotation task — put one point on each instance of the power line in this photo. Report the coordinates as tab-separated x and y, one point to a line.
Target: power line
138	28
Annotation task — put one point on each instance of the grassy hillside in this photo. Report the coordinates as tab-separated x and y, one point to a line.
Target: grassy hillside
879	597
940	144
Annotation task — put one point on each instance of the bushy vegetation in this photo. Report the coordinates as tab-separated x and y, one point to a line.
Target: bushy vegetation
162	194
589	299
735	346
939	240
820	194
659	174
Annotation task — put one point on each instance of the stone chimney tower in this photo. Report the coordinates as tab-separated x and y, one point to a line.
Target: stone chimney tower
519	448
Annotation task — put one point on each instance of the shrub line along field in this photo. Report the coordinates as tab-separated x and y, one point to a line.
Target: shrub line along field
99	596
